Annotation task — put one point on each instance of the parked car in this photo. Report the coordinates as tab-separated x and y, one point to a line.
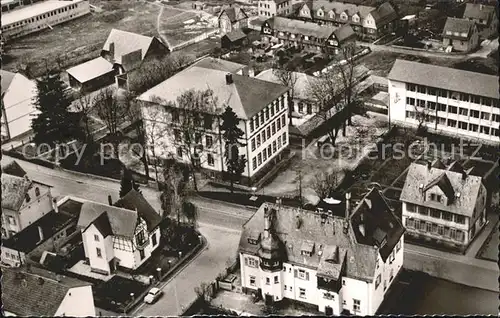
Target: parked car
153	295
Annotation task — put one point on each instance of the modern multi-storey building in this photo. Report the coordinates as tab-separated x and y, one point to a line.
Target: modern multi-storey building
24	201
306	35
443	204
272	8
261	106
41	15
367	22
339	264
446	100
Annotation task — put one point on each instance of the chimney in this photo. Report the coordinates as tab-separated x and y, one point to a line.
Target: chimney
464	175
54	205
251	72
229	78
267	222
40	233
112	50
347	205
362	229
58	277
481	7
429	165
110	200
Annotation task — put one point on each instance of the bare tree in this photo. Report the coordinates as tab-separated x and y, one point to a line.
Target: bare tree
422	115
288	78
175	192
84	105
299	179
347	72
112	112
324	184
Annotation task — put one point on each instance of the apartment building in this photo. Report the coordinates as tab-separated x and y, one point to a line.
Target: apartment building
262	108
24	201
307	36
443	204
272	8
40	16
461	34
445	100
342	265
368	22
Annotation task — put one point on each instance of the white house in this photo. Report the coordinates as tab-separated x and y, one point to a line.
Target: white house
123	235
445	100
339	264
443	204
24	201
36	292
40	16
17	104
262	108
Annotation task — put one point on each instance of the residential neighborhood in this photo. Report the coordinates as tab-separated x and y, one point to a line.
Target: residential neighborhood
242	157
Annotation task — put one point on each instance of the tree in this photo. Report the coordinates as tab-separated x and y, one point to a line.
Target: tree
288	78
174	191
84	105
232	134
55	123
127	183
324	184
155	129
422	115
112	112
190	212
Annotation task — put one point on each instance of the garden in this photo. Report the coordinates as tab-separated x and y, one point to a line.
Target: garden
181	26
115	294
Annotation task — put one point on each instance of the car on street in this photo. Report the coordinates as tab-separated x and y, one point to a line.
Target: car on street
153	295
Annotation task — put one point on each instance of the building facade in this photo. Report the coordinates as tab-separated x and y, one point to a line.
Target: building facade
272	8
24	201
307	36
464	105
340	265
443	204
231	19
40	16
124	235
262	108
485	17
462	35
368	22
17	104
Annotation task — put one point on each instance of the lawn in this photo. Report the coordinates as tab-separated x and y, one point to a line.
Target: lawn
79	40
178	27
489	250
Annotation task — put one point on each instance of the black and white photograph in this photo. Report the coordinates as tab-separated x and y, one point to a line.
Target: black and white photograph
166	158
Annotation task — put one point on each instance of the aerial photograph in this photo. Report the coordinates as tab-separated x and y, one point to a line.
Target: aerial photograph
174	158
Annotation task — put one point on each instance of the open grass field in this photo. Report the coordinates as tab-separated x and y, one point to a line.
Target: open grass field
79	40
174	28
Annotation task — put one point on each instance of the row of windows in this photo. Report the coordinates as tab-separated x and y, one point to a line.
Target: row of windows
27	196
268	132
197	138
266	14
485	101
447	216
461	124
452	109
331	14
267	153
207	122
266	114
40	17
433	228
12	256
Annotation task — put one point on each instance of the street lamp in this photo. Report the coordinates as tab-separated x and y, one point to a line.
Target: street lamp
180	254
158	271
169	263
200	237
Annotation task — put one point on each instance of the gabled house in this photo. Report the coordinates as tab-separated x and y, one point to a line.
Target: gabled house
232	18
127	50
305	35
123	235
368	22
92	75
484	16
33	292
443	204
234	39
24	201
342	265
18	108
461	34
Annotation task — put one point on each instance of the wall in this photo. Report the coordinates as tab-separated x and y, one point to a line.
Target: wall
355	289
37	207
12	257
79	302
90	246
148	250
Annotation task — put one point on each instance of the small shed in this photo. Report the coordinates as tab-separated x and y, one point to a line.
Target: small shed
234	39
92	75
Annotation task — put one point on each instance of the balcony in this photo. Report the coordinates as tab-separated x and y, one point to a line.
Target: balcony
271	265
329	284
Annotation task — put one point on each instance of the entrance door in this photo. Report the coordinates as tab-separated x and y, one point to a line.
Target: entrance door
268	299
328	311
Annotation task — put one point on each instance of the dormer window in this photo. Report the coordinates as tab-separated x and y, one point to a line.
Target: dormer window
332	15
305	12
320	13
267	30
464	35
37	191
355	18
305	253
456	34
448	32
435	197
343	16
252	241
306	38
27	197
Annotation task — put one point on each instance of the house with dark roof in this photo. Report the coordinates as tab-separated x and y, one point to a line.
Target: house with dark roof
232	18
262	108
38	293
233	40
17	104
24	200
305	35
127	50
484	16
342	265
223	65
368	22
443	204
461	34
464	105
122	235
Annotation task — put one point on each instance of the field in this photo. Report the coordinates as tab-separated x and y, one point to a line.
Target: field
79	40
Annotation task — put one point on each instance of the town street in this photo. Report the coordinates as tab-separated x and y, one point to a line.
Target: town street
221	224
